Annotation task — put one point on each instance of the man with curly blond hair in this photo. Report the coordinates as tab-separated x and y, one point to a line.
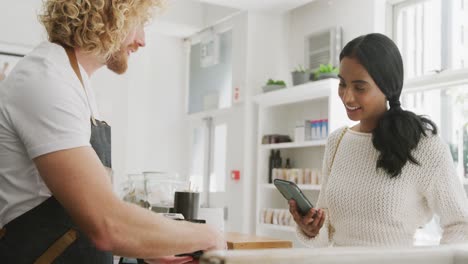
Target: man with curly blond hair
56	199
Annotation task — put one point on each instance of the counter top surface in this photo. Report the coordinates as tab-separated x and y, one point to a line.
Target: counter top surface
244	241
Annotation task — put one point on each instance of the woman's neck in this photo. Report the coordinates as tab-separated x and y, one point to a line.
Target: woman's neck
365	127
369	124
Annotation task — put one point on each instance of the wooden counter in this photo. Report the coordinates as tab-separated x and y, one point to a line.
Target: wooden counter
243	241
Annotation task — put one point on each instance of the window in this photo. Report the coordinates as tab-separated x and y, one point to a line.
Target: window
323	48
197	164
417	32
460	36
432	36
208	155
448	108
218	174
210	80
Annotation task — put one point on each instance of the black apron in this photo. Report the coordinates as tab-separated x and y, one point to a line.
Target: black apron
46	233
30	235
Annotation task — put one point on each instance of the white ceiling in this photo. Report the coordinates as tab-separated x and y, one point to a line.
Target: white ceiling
183	18
260	5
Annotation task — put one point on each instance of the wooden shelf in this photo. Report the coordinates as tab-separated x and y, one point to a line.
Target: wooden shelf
303	187
304	144
299	93
279	227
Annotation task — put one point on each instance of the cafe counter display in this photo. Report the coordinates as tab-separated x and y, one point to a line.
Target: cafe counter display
456	254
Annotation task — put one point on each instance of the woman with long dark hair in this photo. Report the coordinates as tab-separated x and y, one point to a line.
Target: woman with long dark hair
389	174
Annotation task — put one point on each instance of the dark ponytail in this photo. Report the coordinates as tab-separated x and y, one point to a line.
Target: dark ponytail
398	132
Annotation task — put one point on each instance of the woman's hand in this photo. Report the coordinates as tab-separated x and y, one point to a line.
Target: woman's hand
311	223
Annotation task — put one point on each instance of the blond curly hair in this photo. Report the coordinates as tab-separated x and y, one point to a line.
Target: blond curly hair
96	26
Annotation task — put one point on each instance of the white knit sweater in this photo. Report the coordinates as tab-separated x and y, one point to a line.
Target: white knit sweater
365	207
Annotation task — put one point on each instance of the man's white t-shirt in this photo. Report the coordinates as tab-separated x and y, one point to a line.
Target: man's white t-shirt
43	109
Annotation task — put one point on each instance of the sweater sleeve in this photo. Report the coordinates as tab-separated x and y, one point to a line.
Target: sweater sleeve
323	237
447	198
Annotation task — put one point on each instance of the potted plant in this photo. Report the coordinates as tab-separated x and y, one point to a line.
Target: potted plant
273	85
326	71
300	75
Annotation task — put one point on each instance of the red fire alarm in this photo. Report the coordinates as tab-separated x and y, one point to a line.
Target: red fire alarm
236	94
235	175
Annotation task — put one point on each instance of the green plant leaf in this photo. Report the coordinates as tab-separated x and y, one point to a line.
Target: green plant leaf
301	69
281	83
274	82
327	68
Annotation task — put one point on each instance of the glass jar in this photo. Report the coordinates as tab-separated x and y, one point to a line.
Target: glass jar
161	187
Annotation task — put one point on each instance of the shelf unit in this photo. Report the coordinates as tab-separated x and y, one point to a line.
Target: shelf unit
308	91
278	113
312	143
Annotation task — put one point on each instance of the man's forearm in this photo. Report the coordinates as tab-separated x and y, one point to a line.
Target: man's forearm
136	232
126	229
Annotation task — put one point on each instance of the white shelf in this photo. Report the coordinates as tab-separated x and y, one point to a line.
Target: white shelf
304	144
301	186
299	93
279	227
278	112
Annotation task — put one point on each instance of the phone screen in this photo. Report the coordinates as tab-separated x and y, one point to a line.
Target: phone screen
291	191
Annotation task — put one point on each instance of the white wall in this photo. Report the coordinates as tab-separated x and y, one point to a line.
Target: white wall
182	18
215	13
20	26
268	49
355	17
146	109
266	57
156	107
111	92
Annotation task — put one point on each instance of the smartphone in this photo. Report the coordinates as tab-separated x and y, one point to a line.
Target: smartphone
195	255
290	191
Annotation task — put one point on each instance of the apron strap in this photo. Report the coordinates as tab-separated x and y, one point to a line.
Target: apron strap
74	63
58	247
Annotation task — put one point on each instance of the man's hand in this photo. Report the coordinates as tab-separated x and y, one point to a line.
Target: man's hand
220	240
80	183
311	223
170	260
